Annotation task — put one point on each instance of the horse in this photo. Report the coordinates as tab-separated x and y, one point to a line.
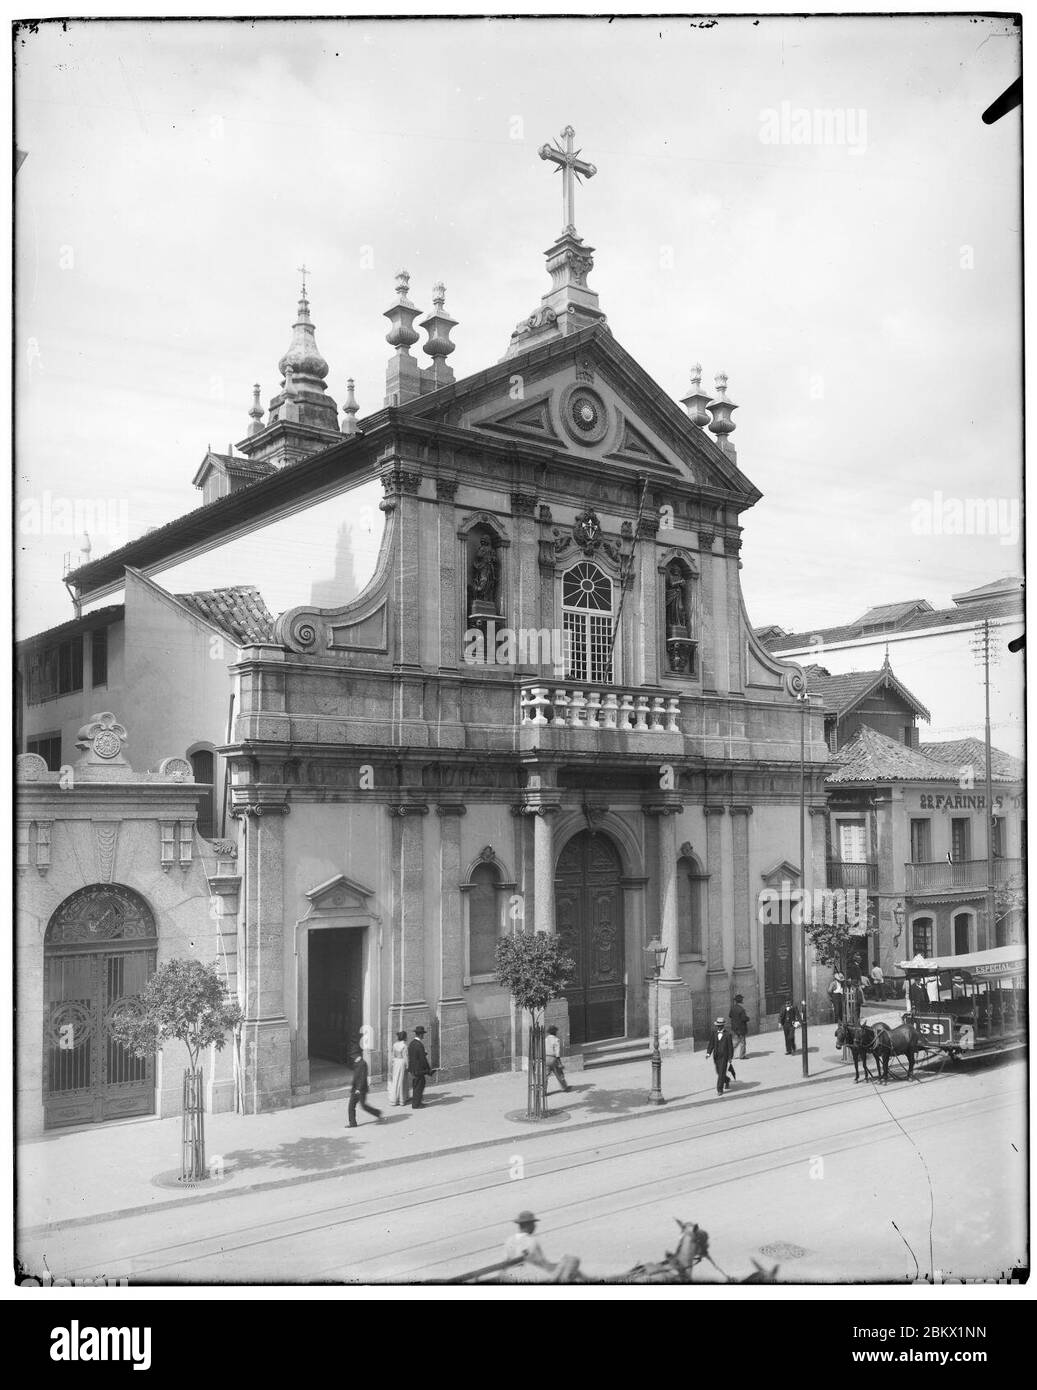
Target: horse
902	1041
861	1039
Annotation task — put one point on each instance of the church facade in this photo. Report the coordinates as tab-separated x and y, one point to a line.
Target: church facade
546	709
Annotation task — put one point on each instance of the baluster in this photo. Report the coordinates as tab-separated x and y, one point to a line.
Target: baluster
538	703
609	710
577	705
658	703
561	707
593	708
626	711
642	714
673	714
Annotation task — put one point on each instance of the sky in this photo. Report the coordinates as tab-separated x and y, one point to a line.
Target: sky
859	279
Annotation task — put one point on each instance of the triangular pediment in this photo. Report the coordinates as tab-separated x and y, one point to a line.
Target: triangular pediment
781	872
586	396
339	895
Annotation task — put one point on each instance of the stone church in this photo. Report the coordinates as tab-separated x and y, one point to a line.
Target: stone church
546	709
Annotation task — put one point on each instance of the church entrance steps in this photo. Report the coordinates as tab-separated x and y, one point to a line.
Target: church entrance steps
615	1051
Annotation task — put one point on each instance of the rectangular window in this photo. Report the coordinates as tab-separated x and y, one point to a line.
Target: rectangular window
56	670
690	887
48	746
921	842
959	839
997	836
99	656
853	847
588	641
922	937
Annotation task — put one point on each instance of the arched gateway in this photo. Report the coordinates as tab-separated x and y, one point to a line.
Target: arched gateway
589	920
99	952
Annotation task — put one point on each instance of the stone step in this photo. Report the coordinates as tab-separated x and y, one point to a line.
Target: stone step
616	1051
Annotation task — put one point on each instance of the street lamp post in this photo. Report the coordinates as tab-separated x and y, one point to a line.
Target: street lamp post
656	952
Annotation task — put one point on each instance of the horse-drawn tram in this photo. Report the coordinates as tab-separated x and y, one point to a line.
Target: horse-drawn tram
965	1005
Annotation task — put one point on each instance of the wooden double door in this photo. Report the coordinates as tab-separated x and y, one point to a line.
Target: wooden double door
589	922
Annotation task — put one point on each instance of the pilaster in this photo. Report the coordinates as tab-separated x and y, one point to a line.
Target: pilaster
675	1009
452	1009
717	979
409	1006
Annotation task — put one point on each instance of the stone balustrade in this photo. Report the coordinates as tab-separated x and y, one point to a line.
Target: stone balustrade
575	707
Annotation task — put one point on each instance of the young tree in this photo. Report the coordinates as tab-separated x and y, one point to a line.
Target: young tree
535	968
187	1002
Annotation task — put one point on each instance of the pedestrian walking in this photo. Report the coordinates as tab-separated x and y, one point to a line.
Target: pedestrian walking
788	1021
417	1065
358	1094
399	1077
553	1050
878	981
721	1048
739	1024
835	995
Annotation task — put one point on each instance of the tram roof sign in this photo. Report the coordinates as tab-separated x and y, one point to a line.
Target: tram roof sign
1003	960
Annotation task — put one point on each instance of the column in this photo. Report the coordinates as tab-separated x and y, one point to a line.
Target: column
746	976
449	637
265	1059
543	868
675	1011
717	980
708	613
452	1010
409	1006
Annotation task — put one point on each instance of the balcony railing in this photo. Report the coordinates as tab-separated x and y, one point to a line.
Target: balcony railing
842	874
576	707
966	873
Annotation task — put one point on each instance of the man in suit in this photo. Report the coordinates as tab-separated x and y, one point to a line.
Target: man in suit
721	1048
787	1020
417	1065
358	1095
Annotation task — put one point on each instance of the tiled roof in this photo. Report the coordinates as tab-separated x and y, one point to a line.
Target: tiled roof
840	693
96	617
965	752
941	617
239	611
890	612
872	757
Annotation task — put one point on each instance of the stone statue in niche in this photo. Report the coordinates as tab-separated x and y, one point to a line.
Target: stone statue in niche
483	581
676	603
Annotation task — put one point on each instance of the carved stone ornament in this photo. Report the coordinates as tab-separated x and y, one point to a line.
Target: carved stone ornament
486	854
101	913
795	684
29	767
587	531
176	769
686	851
584	415
102	738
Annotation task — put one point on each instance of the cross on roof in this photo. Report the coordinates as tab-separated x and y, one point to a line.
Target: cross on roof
572	168
303	272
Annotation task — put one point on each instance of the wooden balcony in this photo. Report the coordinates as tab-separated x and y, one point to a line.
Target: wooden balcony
842	874
940	877
599	707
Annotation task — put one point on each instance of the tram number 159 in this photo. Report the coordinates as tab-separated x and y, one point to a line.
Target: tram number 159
935	1029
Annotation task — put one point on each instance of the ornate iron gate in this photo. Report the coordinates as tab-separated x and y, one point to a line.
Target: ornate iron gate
100	950
589	918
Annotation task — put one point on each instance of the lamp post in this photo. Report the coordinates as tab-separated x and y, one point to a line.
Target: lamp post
656	952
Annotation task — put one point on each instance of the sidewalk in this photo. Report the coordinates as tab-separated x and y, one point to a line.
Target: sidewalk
93	1173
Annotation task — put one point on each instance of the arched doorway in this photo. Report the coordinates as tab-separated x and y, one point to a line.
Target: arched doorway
589	920
99	952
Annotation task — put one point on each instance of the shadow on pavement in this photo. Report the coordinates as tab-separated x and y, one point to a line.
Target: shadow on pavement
433	1102
615	1102
315	1154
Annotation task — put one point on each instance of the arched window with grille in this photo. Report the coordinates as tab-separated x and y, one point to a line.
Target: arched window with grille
587	618
482	899
691	884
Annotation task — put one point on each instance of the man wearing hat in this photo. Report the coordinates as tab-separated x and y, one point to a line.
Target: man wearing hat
721	1048
523	1245
417	1065
835	994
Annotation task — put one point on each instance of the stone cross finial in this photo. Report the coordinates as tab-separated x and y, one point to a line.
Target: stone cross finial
572	169
439	294
303	272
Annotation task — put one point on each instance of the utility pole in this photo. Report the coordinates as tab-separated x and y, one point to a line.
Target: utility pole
803	866
985	652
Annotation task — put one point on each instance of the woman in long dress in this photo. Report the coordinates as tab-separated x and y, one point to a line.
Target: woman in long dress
399	1077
